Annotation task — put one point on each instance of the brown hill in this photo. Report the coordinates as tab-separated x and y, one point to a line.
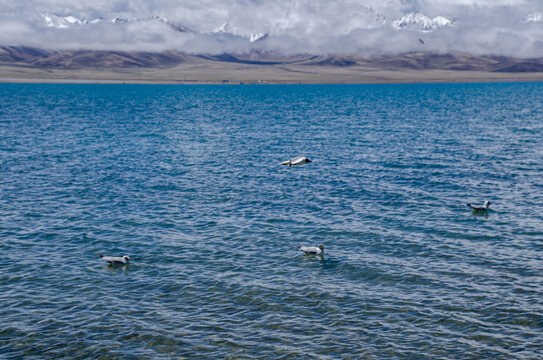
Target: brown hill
22	54
94	59
109	59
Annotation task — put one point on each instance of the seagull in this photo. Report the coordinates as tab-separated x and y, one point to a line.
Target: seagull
116	259
315	250
298	160
421	41
480	208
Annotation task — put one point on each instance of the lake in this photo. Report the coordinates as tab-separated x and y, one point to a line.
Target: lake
187	181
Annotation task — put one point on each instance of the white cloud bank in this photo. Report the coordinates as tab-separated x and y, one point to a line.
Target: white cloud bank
372	27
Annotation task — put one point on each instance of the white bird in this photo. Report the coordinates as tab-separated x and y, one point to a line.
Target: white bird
316	250
116	259
298	160
480	208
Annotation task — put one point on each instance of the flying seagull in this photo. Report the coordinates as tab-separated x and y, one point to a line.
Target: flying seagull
480	208
116	259
421	41
298	160
315	250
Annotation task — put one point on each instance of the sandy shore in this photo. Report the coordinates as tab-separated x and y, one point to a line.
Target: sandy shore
233	73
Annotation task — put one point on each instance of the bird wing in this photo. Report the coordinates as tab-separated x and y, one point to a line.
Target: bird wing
298	160
113	259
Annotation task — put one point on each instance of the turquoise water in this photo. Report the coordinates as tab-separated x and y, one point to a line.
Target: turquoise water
187	181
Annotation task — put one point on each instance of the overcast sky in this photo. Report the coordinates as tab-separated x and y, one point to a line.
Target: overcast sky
501	27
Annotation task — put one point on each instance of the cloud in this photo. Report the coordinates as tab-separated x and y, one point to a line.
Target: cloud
499	27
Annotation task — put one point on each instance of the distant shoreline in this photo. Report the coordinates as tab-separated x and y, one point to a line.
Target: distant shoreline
167	76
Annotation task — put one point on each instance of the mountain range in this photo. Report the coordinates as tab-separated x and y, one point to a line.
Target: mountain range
99	59
410	22
66	22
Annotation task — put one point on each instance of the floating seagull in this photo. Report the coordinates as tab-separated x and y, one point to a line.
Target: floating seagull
316	250
116	259
298	160
480	208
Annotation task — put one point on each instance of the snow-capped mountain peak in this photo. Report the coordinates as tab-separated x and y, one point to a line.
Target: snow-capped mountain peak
119	20
61	22
534	17
221	29
258	37
64	22
172	25
224	30
421	22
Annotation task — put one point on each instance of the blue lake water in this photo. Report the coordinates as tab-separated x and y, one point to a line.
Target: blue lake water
187	181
